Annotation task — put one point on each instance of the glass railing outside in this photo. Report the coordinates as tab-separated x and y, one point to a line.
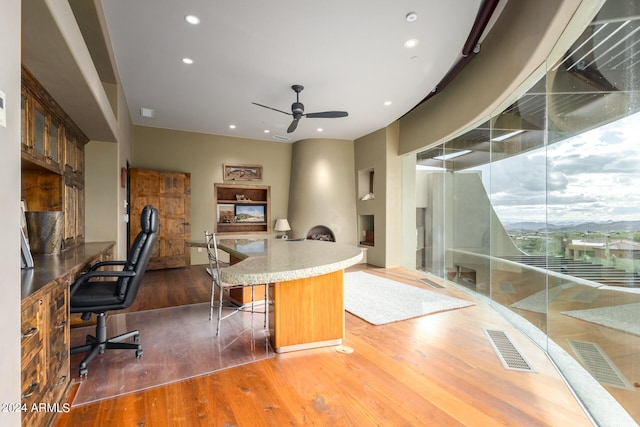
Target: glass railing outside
538	208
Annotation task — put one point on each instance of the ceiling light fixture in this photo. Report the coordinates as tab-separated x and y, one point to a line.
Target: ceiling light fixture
187	61
267	131
387	103
232	126
452	155
507	136
411	16
429	168
411	43
192	19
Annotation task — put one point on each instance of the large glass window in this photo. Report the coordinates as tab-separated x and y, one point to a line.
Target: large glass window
536	207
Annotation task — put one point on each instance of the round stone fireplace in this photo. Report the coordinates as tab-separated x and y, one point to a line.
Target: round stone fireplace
321	232
322	190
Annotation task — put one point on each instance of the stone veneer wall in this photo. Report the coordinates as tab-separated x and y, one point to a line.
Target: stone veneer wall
322	188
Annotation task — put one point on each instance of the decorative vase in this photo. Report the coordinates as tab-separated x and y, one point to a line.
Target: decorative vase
45	229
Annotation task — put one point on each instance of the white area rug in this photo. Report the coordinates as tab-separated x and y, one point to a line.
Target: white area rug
625	318
379	301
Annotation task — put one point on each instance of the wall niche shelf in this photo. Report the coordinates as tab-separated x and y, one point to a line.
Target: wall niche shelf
365	184
242	209
366	230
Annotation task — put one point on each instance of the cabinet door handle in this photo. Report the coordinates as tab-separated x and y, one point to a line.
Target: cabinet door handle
61	381
29	332
32	389
61	325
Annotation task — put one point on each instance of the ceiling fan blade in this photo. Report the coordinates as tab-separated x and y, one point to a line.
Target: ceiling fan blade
293	125
327	114
271	108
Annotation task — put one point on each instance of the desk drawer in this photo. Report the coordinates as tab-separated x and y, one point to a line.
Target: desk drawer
58	345
32	379
32	327
33	369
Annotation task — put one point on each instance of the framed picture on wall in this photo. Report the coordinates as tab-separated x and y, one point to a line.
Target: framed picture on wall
23	220
226	213
242	172
250	213
26	258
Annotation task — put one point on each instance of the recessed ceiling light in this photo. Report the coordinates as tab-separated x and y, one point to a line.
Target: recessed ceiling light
411	43
192	19
387	103
187	60
411	16
320	129
232	126
267	131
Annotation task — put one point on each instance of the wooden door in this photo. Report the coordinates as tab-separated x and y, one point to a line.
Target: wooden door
170	192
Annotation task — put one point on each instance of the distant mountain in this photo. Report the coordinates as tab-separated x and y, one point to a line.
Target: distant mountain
598	227
525	226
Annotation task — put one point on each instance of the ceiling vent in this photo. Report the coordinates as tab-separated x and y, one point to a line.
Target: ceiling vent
147	112
281	138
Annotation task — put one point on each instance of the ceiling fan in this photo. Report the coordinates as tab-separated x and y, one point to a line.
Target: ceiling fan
297	110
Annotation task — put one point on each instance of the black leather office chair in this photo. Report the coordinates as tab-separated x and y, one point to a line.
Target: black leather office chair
99	291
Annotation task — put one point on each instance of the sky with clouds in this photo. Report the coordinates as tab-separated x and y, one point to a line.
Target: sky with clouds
594	176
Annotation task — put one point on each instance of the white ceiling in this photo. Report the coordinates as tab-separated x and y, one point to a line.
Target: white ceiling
348	54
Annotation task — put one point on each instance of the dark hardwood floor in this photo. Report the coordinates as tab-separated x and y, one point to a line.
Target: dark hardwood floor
434	370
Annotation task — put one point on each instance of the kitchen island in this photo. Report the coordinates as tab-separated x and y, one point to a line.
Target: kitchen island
305	282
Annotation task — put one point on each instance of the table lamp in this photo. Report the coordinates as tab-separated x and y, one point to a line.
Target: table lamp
282	225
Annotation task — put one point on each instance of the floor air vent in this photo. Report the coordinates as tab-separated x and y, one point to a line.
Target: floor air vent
599	365
507	352
431	283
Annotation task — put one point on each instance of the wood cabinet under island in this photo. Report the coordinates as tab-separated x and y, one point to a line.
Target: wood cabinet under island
306	286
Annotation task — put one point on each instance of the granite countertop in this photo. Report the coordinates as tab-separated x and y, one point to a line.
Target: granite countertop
275	260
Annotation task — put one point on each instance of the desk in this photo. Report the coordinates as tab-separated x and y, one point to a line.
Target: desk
70	262
45	325
306	286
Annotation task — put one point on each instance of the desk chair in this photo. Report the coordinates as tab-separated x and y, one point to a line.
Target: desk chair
99	291
220	286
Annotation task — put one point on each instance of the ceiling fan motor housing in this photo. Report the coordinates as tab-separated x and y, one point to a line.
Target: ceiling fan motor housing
297	108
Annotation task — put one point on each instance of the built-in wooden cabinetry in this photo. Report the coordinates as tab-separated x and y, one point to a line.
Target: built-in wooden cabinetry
42	133
45	350
228	197
45	328
52	159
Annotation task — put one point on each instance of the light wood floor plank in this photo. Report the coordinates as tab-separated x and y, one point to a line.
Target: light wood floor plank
436	370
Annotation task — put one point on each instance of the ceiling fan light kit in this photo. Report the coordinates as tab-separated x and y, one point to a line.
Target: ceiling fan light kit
297	110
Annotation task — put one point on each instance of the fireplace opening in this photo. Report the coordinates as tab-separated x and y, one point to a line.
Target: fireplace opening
320	232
